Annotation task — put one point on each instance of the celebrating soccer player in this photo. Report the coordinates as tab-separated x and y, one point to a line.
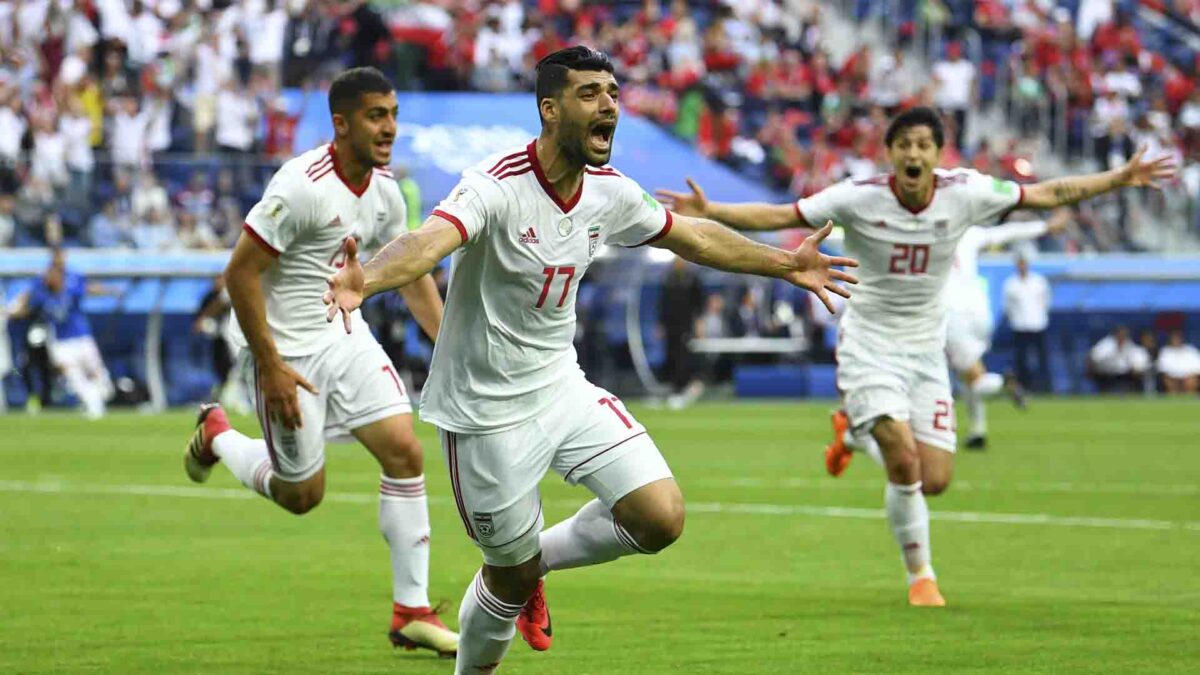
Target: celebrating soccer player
892	370
308	379
505	388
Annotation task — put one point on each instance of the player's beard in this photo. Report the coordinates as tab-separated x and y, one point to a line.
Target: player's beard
574	144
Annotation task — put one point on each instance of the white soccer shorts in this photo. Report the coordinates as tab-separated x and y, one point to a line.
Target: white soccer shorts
968	337
358	385
912	388
587	437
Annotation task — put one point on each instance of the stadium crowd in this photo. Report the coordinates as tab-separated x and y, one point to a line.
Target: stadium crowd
98	97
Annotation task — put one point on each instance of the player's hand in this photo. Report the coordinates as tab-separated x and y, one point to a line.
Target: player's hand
1140	173
814	271
278	382
694	204
345	292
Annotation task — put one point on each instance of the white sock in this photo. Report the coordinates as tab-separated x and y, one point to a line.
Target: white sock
589	537
978	410
988	384
864	443
404	522
908	516
486	626
246	458
91	393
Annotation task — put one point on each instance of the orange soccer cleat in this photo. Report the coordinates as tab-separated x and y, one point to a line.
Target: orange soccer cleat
414	627
924	593
534	620
837	453
198	456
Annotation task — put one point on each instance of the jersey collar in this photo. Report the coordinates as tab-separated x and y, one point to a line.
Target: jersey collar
337	168
545	183
906	207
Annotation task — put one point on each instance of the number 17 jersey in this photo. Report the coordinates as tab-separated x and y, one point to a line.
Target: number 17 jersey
905	254
508	329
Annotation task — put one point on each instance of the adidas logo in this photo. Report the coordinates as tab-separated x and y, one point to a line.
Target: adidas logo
529	236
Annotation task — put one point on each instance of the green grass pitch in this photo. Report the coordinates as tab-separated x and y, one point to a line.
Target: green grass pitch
1072	545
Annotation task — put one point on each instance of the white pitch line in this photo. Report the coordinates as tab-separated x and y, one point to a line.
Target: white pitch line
60	487
1029	487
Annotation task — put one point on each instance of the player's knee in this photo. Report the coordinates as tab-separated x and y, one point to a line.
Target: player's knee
934	486
513	584
663	528
302	500
404	457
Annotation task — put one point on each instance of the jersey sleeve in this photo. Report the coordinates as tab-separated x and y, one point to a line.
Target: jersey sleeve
472	205
642	219
832	203
282	213
991	198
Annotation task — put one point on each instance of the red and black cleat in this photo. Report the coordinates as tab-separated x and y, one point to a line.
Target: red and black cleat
534	620
198	457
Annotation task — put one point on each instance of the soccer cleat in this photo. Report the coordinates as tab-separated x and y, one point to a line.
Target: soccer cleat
420	627
534	620
837	453
924	593
977	442
198	457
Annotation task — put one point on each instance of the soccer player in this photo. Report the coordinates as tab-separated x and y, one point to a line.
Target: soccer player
505	388
969	317
58	298
309	381
892	372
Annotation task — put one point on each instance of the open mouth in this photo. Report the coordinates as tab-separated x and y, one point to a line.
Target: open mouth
913	172
384	145
600	136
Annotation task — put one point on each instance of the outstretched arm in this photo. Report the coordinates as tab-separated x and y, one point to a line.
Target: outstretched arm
713	245
744	216
405	259
1071	189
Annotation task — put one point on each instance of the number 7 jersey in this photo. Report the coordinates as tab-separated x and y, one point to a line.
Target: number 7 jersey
905	254
509	325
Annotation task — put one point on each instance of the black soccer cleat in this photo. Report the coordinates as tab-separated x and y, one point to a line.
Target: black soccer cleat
977	442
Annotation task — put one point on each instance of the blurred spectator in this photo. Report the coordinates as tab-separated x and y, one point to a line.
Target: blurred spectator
1179	365
12	126
237	117
195	234
681	302
1117	363
955	77
49	157
108	228
197	198
8	223
148	195
76	128
747	321
154	231
128	132
1027	306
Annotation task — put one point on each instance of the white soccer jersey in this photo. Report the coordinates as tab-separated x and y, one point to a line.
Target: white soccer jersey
509	321
905	255
965	290
306	214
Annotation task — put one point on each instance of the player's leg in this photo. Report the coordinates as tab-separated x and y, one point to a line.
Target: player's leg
872	385
494	480
286	466
71	358
96	370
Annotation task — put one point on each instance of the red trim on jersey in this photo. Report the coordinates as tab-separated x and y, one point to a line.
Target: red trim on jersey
462	231
384	172
521	162
504	160
1014	207
541	176
322	173
337	168
519	172
603	171
892	187
452	447
319	166
572	470
260	241
661	233
800	214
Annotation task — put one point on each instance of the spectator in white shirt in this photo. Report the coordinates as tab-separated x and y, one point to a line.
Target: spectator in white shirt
955	79
49	158
148	196
237	115
12	126
268	28
155	232
1117	363
76	127
127	133
1179	365
1027	307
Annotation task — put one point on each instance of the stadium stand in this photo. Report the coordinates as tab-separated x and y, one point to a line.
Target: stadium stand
153	125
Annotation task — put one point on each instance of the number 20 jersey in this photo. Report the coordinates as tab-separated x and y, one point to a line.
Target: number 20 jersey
507	335
905	255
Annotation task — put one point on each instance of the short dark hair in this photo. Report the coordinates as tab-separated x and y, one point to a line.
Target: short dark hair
347	87
553	70
916	117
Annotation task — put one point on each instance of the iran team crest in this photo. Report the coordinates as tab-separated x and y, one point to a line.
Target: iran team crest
593	240
483	525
